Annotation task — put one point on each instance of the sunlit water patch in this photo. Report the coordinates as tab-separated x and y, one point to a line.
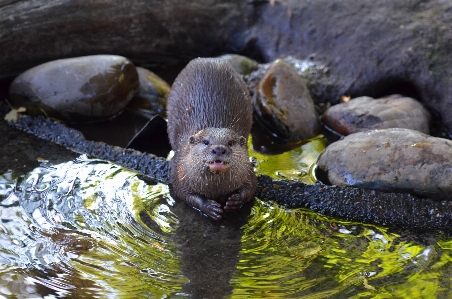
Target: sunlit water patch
297	164
91	229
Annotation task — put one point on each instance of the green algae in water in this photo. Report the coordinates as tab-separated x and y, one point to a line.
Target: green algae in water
77	230
297	164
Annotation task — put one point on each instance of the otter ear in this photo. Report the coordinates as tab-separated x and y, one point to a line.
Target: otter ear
242	140
192	140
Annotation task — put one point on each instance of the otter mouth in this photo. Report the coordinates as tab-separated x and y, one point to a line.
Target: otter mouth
218	165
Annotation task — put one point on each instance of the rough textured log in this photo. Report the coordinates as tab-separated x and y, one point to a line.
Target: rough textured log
153	167
391	209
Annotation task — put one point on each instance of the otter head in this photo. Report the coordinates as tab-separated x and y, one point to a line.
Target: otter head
216	148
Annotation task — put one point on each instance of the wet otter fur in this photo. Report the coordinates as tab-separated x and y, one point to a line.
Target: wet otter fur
209	119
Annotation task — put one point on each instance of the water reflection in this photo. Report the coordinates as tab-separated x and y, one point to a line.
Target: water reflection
209	250
91	229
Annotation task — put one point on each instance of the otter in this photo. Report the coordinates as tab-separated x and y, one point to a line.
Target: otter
209	119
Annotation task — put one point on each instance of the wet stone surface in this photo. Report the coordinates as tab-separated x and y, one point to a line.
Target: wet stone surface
283	104
87	88
150	98
391	159
243	65
365	113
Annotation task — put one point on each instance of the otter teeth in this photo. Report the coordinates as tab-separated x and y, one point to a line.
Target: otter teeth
217	165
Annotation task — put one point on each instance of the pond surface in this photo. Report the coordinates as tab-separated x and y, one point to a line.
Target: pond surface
91	229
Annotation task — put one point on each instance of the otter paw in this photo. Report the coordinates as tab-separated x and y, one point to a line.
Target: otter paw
234	203
213	209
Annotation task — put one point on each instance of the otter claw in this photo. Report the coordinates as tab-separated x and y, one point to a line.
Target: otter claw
234	203
213	210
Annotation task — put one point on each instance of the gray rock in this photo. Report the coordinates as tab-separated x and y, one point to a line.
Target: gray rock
150	98
392	160
88	88
243	65
365	113
283	104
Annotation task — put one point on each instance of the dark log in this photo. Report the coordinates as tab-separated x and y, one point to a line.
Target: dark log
400	210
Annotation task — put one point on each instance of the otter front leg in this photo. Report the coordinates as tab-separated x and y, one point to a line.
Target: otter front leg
209	207
244	194
234	203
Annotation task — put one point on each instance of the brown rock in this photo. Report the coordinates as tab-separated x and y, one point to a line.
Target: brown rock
283	104
243	65
392	160
365	113
150	98
87	88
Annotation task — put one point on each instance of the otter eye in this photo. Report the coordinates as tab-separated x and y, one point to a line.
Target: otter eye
242	140
205	141
191	140
231	143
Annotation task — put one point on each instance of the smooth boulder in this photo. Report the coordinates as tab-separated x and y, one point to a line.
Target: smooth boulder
283	104
88	88
366	113
243	65
150	98
391	160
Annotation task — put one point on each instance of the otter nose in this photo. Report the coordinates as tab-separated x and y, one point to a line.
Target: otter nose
219	150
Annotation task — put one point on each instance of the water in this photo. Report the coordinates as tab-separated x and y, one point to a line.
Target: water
91	229
297	164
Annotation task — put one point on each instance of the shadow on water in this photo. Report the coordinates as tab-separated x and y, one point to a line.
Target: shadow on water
91	229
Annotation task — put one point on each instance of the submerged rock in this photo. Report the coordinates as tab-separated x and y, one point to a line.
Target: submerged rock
243	65
365	113
392	160
88	88
150	98
283	104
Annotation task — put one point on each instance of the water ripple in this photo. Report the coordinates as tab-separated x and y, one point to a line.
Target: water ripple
74	226
91	229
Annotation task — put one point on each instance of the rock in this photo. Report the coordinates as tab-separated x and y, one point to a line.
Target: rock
283	104
150	98
243	65
87	88
396	159
365	113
